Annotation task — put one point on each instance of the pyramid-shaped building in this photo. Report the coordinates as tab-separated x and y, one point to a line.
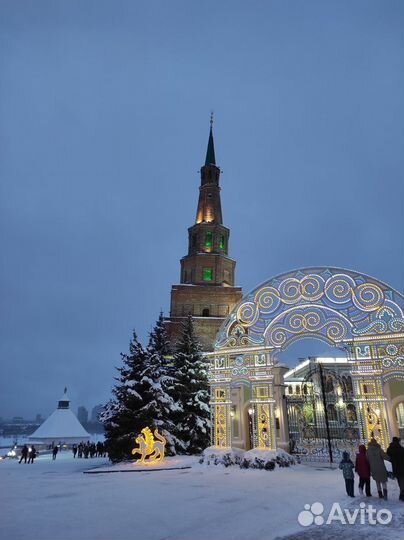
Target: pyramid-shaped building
62	426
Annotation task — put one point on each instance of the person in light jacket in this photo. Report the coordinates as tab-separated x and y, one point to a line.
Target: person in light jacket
376	457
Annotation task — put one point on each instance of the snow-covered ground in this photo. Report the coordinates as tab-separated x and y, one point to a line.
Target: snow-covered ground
56	501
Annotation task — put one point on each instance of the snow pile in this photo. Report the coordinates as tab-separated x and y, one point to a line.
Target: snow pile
253	459
266	459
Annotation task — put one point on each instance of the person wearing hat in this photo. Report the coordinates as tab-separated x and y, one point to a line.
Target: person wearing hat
362	468
347	468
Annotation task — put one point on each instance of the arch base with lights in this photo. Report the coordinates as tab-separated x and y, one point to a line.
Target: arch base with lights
356	313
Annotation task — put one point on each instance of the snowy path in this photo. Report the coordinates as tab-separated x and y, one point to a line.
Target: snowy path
55	501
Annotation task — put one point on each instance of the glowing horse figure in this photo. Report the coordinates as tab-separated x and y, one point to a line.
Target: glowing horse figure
148	446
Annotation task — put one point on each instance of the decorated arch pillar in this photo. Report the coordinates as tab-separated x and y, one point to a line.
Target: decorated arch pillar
264	434
220	406
377	358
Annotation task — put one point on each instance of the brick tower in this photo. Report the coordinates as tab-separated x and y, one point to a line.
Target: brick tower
206	289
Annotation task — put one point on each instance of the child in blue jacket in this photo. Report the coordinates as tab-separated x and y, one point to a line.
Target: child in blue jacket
347	468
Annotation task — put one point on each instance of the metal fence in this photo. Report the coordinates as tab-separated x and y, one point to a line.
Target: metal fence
322	417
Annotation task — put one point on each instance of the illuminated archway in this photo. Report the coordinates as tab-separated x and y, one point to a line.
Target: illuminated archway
352	311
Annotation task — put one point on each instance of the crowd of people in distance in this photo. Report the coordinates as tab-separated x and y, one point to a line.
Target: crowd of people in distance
86	450
82	450
369	464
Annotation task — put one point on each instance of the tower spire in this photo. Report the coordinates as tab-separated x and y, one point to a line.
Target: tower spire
207	265
210	152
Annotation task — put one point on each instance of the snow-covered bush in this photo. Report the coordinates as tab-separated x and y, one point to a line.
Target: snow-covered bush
253	459
226	457
258	463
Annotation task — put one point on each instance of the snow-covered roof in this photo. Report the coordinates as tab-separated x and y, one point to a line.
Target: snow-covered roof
61	425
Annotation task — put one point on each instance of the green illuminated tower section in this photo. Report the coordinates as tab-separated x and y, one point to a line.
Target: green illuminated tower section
206	289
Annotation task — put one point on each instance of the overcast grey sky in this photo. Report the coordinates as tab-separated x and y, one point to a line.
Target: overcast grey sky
104	118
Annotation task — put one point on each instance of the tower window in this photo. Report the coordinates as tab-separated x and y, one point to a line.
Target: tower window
208	239
222	241
207	274
205	312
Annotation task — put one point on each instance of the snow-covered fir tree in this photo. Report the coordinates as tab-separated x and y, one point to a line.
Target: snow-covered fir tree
190	389
157	377
125	415
159	391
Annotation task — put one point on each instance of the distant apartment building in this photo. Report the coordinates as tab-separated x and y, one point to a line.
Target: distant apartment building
82	415
95	413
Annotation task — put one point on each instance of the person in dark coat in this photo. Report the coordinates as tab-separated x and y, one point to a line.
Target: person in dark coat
347	468
32	454
74	449
86	450
24	453
396	453
55	451
376	457
362	468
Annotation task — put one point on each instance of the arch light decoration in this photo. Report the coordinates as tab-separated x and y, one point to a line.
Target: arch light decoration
347	309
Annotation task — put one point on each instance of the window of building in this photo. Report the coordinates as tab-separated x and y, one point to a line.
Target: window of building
332	412
368	389
308	413
329	384
261	392
222	242
207	274
209	239
205	312
351	413
400	415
